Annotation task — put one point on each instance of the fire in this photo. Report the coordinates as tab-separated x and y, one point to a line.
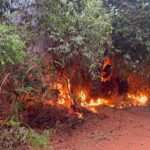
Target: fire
90	103
63	93
94	103
140	99
64	99
82	96
106	69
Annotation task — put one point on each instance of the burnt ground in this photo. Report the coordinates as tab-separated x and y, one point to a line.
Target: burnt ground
111	129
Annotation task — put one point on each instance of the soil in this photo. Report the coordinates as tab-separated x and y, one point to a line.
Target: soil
109	130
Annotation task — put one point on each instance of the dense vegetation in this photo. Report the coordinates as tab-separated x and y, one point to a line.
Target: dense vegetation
90	24
11	45
131	27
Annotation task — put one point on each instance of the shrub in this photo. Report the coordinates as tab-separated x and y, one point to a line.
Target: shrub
11	45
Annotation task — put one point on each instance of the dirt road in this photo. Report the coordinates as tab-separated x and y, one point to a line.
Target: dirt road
110	130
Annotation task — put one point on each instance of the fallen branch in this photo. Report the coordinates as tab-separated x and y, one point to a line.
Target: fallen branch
4	81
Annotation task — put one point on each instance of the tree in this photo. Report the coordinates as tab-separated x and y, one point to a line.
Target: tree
131	22
83	25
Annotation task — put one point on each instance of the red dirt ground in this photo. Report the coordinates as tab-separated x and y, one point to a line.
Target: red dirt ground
110	130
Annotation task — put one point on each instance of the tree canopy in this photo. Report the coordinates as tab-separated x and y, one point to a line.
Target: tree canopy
131	22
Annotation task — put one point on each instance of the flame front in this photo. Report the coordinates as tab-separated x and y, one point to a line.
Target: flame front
140	100
92	104
69	94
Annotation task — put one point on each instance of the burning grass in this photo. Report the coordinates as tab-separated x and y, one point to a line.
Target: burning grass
52	94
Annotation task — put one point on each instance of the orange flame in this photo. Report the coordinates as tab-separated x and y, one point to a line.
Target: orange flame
65	100
141	99
92	104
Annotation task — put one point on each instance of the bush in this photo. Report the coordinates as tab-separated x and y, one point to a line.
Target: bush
11	45
86	20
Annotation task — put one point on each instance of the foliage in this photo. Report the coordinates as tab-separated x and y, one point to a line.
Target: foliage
39	140
84	22
11	45
19	138
4	5
13	122
131	22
